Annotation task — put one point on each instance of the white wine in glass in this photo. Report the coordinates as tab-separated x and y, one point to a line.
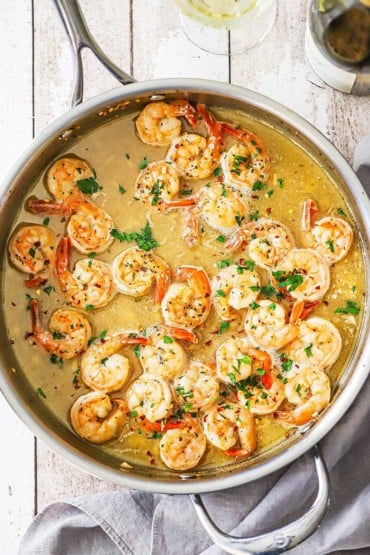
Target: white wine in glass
207	22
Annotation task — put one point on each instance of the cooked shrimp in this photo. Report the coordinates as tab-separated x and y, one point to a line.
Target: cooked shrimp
236	358
267	326
157	184
229	424
158	123
317	345
234	288
68	335
90	285
194	156
162	355
262	398
63	175
188	304
196	388
182	448
304	273
97	418
32	250
217	205
245	162
150	396
135	271
309	390
331	237
89	226
102	367
268	241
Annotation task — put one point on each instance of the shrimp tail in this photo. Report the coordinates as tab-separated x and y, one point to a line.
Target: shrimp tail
214	127
186	110
191	228
180	203
238	452
181	333
297	417
39	206
163	283
301	310
36	325
310	211
236	240
35	281
62	256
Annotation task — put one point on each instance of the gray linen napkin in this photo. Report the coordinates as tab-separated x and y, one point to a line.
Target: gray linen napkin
138	523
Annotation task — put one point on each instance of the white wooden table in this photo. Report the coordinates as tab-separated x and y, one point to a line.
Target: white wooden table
143	37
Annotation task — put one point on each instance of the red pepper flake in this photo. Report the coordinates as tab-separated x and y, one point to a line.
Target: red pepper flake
268	210
208	343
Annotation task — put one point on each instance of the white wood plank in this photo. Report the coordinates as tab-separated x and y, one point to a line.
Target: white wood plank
17	453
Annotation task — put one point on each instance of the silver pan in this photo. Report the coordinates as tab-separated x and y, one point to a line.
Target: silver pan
50	144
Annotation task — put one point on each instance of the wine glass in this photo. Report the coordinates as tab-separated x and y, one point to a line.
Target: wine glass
226	26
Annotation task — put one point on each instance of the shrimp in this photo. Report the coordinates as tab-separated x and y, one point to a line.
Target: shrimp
63	175
102	367
157	184
194	156
304	273
217	205
89	226
182	448
268	241
234	288
196	388
309	390
150	396
247	161
162	355
158	123
331	237
90	285
135	271
259	398
69	331
267	326
97	418
229	424
31	249
188	304
235	359
317	345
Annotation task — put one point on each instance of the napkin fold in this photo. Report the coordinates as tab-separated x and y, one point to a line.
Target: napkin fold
139	523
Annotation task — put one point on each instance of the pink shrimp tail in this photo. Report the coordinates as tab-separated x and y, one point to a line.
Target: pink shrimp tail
163	283
181	333
39	206
186	109
36	325
301	310
310	211
195	275
298	418
180	202
62	256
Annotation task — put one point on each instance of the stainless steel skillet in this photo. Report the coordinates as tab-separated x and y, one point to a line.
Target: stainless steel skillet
49	145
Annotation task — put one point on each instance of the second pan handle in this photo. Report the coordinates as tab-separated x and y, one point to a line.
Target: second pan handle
276	541
80	37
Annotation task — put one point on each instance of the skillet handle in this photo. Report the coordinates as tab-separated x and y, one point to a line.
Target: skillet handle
277	541
80	37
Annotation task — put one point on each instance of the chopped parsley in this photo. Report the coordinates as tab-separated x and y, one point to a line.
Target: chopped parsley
186	192
221	239
280	181
341	212
48	289
308	350
121	189
41	393
330	244
224	327
232	377
144	239
88	186
220	293
137	350
46	221
351	308
253	305
298	389
168	340
290	281
224	263
217	171
143	164
57	335
224	190
32	252
286	363
89	307
253	216
104	360
91	255
257	186
239	219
